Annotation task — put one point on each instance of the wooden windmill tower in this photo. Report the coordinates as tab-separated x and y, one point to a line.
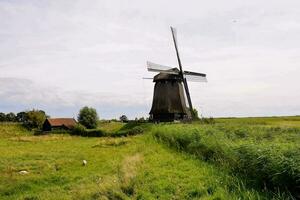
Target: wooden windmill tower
169	94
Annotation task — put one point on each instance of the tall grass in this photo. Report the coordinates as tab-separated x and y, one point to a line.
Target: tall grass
13	129
268	158
117	168
127	129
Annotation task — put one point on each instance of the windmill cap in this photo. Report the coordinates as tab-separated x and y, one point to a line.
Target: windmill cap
173	75
164	76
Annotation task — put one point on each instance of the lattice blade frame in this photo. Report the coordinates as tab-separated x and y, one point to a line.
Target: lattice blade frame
153	67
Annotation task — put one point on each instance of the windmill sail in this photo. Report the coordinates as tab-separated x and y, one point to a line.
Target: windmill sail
187	92
174	34
194	76
153	67
147	78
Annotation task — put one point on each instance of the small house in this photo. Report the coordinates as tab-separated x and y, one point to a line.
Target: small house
59	123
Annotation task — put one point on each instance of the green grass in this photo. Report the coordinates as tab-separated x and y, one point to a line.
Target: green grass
110	126
266	157
10	129
117	129
118	168
142	166
289	121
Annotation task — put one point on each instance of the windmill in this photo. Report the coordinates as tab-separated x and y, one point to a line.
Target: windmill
169	96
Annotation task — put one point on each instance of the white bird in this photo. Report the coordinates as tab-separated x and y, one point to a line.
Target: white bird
84	162
23	172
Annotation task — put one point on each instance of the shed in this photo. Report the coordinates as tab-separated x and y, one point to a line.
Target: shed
59	123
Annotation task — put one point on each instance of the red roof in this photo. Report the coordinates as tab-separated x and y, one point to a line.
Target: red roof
68	122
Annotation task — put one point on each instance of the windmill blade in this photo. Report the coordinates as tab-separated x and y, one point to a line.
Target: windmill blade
194	73
174	34
195	76
153	67
147	78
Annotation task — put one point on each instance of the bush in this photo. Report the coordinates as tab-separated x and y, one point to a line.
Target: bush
95	133
78	130
2	117
21	117
127	132
11	117
82	131
34	119
123	118
88	117
195	114
136	130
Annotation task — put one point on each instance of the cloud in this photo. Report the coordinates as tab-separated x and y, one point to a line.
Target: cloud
22	94
60	55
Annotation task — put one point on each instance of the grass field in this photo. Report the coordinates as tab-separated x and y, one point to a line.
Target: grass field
238	158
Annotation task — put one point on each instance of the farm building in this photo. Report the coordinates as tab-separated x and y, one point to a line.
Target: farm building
59	123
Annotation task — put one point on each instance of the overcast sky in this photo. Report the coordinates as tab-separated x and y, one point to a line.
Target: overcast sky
61	55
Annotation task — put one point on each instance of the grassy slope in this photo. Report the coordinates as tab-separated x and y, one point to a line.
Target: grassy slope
110	127
264	151
118	168
12	130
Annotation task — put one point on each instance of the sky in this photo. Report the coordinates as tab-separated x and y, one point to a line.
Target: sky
59	56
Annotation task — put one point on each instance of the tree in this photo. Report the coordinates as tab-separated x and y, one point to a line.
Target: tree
142	119
10	117
2	117
88	117
123	118
195	114
21	117
35	118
